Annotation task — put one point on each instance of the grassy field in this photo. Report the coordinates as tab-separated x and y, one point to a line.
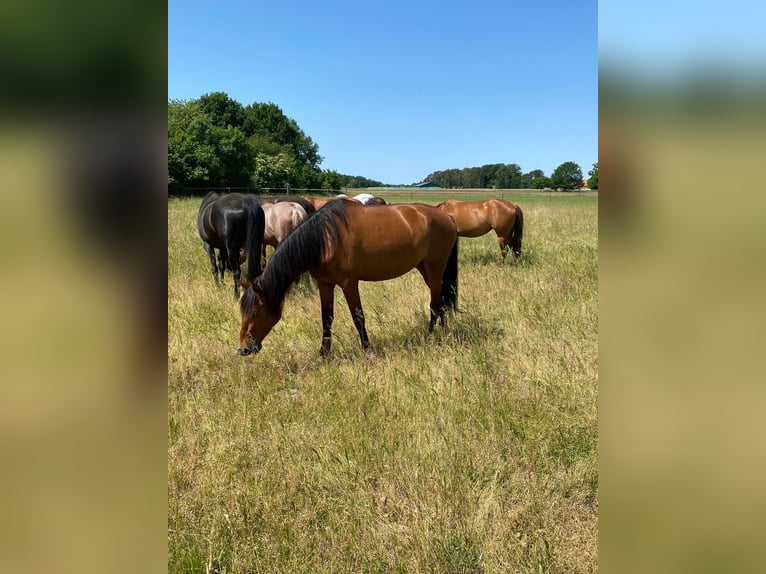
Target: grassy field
472	451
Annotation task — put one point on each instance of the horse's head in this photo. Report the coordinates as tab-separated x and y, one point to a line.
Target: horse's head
257	319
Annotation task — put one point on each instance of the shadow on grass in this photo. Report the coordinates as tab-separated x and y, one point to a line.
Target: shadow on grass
464	329
492	257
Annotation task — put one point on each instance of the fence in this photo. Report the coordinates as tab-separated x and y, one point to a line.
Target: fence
401	193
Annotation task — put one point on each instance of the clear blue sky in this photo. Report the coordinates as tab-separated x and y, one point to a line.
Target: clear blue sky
661	39
394	90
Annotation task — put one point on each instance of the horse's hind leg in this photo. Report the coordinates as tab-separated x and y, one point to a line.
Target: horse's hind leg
210	250
327	299
503	243
232	254
437	310
351	291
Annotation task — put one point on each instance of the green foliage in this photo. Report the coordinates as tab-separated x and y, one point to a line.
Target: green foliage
358	181
489	176
593	177
222	110
541	182
272	170
214	141
567	176
332	180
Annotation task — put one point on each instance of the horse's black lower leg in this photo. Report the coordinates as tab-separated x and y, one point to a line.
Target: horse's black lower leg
432	322
358	317
327	298
223	262
210	250
436	313
232	258
351	291
237	277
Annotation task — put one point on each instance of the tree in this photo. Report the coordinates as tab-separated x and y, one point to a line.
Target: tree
568	176
267	124
272	170
214	141
593	177
222	110
331	180
541	182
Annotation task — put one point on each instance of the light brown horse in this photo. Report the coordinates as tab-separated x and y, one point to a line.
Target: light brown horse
282	218
344	243
477	218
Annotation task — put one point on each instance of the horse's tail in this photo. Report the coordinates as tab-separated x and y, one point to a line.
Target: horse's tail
449	280
298	216
256	224
517	232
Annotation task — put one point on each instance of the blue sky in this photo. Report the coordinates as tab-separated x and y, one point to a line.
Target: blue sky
659	38
398	89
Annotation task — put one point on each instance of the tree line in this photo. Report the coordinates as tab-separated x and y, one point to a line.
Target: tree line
215	141
568	175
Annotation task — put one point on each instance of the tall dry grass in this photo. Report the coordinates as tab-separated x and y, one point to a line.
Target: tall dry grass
473	450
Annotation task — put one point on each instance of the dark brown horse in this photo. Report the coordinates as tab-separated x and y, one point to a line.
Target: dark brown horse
344	243
477	218
232	223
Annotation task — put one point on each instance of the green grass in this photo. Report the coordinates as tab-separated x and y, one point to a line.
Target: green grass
473	450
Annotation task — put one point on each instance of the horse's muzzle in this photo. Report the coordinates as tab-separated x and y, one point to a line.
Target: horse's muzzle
242	351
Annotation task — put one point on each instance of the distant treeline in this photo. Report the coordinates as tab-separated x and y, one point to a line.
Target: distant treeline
568	175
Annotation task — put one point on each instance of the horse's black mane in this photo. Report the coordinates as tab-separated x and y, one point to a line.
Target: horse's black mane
302	249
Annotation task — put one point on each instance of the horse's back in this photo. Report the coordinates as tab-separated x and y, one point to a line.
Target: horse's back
386	241
281	219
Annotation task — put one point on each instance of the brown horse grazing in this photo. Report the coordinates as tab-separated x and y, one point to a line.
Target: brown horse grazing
282	218
344	243
477	218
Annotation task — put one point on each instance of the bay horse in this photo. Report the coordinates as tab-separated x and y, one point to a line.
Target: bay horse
282	218
232	223
319	202
344	243
477	218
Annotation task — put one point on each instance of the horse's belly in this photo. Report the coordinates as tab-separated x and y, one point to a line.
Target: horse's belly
388	264
473	231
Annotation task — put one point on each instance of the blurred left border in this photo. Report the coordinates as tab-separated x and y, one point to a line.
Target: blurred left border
83	409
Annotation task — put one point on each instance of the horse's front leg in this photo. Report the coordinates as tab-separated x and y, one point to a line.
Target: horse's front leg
351	291
327	300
